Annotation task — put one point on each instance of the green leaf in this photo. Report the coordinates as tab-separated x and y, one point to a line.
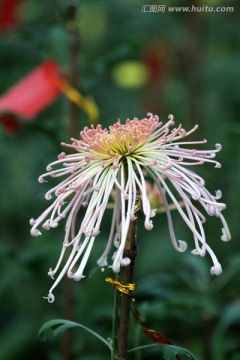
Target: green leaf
58	326
231	272
143	347
169	352
230	316
93	271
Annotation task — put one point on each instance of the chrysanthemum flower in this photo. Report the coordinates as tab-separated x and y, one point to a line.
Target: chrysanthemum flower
117	160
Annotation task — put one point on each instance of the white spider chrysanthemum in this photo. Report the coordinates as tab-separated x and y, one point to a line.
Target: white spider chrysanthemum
118	159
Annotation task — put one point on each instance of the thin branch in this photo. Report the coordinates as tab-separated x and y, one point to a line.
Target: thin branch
130	252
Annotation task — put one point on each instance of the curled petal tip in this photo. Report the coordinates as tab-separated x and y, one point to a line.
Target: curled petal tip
78	277
148	225
35	232
211	210
41	180
102	262
182	246
46	225
50	298
70	274
125	261
195	252
54	224
196	196
51	273
223	206
199	252
115	268
32	221
61	156
216	269
153	213
87	232
95	232
48	196
225	236
218	194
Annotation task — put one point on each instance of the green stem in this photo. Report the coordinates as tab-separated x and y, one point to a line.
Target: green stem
115	324
130	252
73	40
73	44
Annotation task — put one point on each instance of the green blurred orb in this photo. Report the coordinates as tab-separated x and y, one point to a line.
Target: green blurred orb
130	74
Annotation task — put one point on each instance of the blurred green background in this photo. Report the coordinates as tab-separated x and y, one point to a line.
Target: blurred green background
131	62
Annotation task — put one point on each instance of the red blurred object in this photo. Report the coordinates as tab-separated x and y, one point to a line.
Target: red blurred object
156	336
32	94
9	14
10	123
155	64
